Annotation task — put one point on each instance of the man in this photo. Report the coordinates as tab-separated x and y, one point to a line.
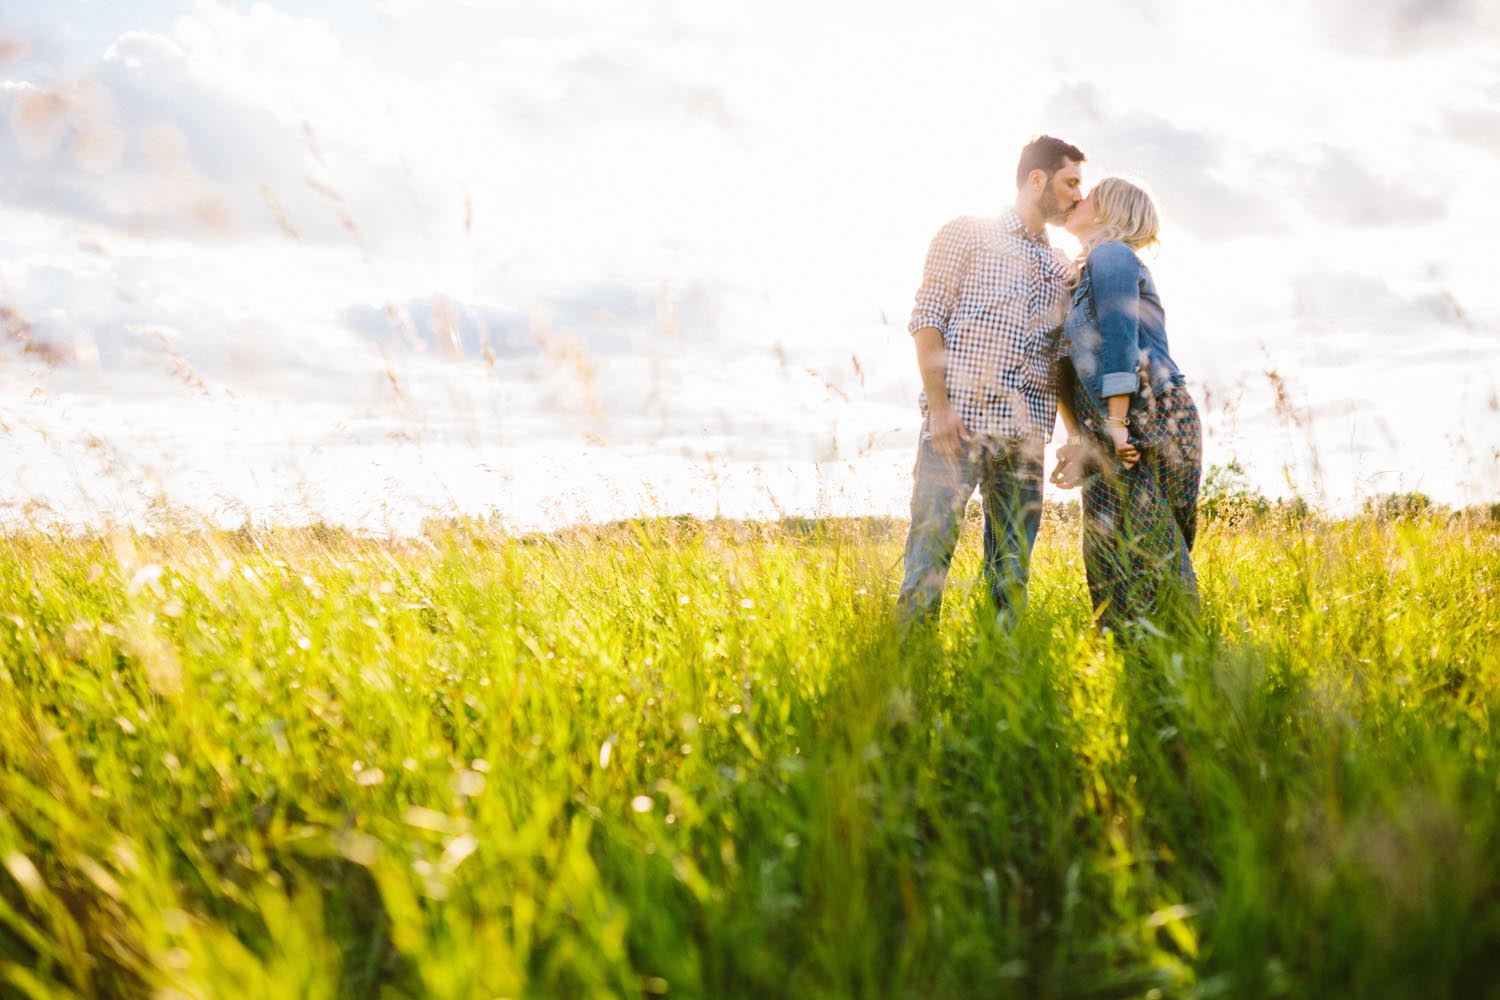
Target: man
986	322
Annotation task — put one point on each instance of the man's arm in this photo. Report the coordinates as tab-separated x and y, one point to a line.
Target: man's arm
949	434
1069	471
1065	404
942	273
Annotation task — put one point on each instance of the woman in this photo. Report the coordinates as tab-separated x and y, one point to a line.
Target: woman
1135	440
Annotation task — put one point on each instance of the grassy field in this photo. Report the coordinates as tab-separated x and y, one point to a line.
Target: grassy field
693	760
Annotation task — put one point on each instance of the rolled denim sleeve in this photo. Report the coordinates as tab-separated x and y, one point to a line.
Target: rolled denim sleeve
1115	273
942	275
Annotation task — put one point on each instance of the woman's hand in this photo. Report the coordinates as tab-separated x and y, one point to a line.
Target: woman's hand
1124	450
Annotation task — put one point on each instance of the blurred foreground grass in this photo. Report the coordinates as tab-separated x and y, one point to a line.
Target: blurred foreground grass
692	760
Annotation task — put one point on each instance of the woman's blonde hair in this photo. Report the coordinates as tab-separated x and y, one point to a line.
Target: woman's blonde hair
1124	212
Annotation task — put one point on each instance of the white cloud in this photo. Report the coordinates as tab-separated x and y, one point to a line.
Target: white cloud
679	225
1366	305
180	156
1196	174
1403	27
1335	186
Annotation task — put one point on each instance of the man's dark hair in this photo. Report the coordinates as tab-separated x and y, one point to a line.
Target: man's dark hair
1048	154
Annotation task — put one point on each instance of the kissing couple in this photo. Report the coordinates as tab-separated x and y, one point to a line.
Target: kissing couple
1010	334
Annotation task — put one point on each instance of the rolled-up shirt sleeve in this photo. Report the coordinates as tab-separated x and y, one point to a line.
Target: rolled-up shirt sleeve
942	275
1115	274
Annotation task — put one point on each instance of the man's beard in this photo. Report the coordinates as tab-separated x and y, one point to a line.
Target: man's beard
1052	209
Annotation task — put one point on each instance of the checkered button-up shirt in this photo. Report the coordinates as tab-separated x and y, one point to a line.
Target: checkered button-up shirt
998	296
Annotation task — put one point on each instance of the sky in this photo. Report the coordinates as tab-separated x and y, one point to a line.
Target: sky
558	261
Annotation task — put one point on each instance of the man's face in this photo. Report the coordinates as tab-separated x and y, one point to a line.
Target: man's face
1063	192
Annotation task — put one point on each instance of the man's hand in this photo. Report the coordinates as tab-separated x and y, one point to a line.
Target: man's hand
1070	471
1124	450
949	435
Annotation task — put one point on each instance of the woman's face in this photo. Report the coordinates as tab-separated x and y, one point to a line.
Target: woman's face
1081	221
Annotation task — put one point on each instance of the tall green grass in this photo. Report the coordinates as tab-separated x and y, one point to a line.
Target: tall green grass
695	760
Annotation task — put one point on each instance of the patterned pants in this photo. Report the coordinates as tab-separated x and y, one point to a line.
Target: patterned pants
1139	523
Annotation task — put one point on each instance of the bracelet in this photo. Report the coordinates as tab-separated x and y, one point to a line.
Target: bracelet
1114	422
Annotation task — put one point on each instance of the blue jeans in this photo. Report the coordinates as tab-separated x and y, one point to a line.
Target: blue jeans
1008	473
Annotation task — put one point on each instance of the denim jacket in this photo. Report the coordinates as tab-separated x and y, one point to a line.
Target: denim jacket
1116	327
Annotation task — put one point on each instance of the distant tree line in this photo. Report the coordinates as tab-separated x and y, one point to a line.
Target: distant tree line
1228	498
